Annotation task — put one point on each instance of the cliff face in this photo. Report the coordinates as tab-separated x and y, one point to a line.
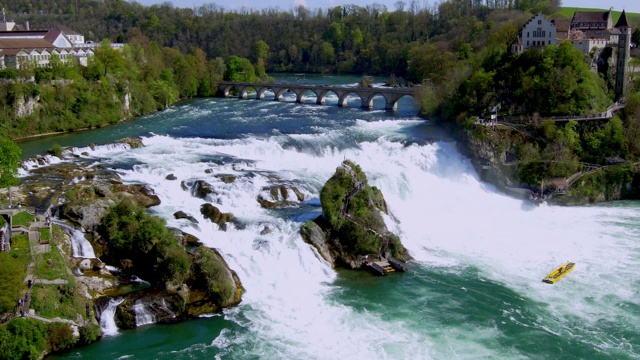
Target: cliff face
351	228
493	151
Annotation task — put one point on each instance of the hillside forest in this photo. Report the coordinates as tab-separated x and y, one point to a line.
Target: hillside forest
457	51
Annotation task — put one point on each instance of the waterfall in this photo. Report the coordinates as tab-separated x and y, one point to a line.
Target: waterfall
166	308
81	246
107	322
143	317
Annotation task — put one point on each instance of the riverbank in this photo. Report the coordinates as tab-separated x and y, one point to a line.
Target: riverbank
495	152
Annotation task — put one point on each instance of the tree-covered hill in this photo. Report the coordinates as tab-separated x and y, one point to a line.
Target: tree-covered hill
348	39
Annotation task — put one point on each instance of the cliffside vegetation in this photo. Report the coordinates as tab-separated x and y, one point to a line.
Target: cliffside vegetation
143	245
26	338
117	84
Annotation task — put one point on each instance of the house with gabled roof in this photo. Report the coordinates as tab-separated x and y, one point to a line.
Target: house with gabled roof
536	33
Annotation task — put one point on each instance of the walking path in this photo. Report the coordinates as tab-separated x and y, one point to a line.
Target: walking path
37	247
358	186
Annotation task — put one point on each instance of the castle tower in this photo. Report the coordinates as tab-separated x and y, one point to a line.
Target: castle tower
624	43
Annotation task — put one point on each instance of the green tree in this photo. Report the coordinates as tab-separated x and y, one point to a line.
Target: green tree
239	69
327	53
110	58
9	163
261	51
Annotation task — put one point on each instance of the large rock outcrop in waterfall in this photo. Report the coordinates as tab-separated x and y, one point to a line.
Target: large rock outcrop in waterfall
351	229
210	287
185	278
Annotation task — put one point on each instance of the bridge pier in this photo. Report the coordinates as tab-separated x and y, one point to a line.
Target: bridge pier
343	98
278	92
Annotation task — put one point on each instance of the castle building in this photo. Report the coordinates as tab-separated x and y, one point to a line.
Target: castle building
21	46
586	30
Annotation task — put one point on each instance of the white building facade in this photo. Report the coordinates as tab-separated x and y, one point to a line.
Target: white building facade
536	33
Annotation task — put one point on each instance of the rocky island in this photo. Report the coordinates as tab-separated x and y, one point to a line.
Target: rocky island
351	232
142	272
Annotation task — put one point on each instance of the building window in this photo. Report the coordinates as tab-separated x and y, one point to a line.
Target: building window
539	22
539	33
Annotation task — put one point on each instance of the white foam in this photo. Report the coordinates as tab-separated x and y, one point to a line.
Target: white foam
445	215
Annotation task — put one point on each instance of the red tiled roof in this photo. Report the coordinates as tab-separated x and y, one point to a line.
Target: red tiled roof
13	46
52	35
562	24
588	16
13	34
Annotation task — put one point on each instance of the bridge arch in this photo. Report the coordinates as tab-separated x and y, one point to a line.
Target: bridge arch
243	91
260	92
226	90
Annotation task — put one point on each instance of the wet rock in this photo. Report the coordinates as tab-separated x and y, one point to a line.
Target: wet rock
278	196
183	215
133	142
171	177
351	228
226	178
215	215
265	231
199	188
313	234
140	194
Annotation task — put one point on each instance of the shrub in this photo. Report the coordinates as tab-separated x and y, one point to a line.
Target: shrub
56	150
60	337
89	333
209	269
23	338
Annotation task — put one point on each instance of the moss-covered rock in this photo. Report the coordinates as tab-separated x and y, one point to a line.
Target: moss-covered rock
352	221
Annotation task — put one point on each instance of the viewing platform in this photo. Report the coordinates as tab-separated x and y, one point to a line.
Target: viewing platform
386	266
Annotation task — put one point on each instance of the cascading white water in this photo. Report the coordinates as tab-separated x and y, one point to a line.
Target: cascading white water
107	322
143	316
444	215
166	308
81	247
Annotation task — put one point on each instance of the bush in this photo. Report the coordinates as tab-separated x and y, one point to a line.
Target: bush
60	337
56	150
128	229
9	74
23	338
89	334
209	269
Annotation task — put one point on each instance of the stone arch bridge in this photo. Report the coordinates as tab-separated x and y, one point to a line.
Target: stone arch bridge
366	94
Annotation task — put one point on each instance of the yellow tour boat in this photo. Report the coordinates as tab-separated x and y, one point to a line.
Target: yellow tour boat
559	273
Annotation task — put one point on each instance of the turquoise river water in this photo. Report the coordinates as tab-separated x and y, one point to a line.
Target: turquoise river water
474	290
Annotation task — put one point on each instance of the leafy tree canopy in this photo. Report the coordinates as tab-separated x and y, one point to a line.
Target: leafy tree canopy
9	162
